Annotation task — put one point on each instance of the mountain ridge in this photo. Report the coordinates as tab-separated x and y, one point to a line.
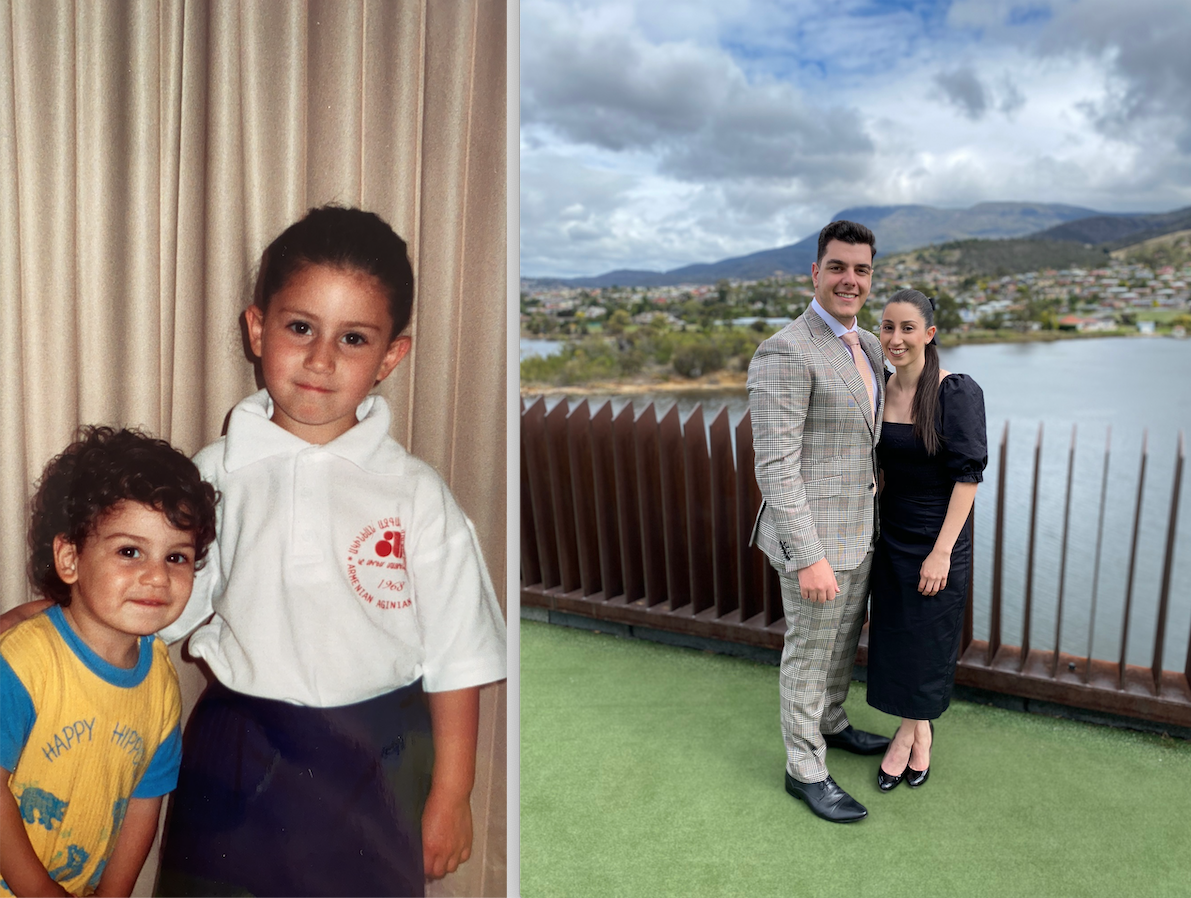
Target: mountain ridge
901	228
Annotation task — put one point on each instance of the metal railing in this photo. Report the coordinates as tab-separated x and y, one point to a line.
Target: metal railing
645	522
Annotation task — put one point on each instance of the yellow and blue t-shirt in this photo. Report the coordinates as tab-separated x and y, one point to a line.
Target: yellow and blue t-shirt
81	737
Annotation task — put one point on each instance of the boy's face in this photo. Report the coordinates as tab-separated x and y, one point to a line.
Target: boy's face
131	577
323	345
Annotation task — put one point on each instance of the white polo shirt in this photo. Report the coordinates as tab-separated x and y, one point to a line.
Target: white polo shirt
340	572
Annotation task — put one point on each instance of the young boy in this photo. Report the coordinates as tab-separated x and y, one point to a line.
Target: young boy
89	737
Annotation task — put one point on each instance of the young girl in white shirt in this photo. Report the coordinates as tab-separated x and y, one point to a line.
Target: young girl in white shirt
352	620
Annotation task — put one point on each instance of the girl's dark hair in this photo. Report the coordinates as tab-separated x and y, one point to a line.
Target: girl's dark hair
102	468
925	406
349	239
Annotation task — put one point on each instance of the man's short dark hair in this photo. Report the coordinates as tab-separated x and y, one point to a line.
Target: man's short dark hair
847	232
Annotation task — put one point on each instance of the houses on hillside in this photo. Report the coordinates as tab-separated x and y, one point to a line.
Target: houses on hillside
1079	299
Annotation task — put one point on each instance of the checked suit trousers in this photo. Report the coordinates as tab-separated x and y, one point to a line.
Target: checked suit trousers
816	667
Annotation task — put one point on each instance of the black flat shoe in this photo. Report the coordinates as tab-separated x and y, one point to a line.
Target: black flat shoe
827	800
886	781
915	778
857	741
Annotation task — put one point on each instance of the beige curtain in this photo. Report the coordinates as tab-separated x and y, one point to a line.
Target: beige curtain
148	153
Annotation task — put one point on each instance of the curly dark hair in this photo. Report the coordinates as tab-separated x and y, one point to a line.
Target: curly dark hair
345	238
102	468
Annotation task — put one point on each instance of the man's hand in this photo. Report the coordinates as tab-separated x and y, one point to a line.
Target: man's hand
817	582
446	833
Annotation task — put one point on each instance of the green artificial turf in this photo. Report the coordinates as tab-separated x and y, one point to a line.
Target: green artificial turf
652	770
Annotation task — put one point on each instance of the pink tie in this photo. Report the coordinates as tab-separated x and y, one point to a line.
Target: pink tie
852	340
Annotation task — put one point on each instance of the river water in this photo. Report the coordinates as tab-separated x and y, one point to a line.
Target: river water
1132	385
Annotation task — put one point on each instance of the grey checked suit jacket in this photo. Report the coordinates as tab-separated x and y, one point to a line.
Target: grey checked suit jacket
814	440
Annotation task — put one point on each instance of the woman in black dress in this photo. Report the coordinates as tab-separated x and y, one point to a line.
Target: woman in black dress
933	451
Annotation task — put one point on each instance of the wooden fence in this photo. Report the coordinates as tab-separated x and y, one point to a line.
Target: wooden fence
646	522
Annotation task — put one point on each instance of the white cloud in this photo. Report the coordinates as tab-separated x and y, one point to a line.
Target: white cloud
594	81
1141	48
580	218
658	134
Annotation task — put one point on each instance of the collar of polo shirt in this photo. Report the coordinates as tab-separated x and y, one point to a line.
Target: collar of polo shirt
257	437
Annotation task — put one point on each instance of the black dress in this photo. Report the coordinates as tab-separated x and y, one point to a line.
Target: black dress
913	640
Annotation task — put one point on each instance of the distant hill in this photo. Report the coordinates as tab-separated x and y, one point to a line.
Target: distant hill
997	258
1088	243
1169	249
1119	230
897	228
1163	239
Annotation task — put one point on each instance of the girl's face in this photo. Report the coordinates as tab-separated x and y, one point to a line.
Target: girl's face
323	345
904	334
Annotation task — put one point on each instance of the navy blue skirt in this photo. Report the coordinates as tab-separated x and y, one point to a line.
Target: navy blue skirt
280	799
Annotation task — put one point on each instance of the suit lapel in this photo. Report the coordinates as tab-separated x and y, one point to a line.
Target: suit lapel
872	348
841	360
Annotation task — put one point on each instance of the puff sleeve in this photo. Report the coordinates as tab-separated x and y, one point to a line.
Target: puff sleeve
962	424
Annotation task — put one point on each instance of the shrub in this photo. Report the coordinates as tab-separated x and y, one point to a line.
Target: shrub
694	359
582	361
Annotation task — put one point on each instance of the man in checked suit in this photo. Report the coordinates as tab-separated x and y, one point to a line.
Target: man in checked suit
815	405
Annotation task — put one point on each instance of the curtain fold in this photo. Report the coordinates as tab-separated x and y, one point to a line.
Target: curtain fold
150	150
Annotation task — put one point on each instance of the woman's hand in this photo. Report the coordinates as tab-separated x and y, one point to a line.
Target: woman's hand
933	576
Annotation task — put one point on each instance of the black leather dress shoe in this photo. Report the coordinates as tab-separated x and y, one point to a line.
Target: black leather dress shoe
857	741
827	800
886	781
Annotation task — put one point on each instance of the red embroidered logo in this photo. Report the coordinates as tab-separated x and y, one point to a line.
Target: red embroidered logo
376	567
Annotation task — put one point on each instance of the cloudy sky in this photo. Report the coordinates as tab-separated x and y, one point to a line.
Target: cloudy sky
655	134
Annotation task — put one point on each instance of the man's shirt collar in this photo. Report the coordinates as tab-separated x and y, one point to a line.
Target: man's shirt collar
836	328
